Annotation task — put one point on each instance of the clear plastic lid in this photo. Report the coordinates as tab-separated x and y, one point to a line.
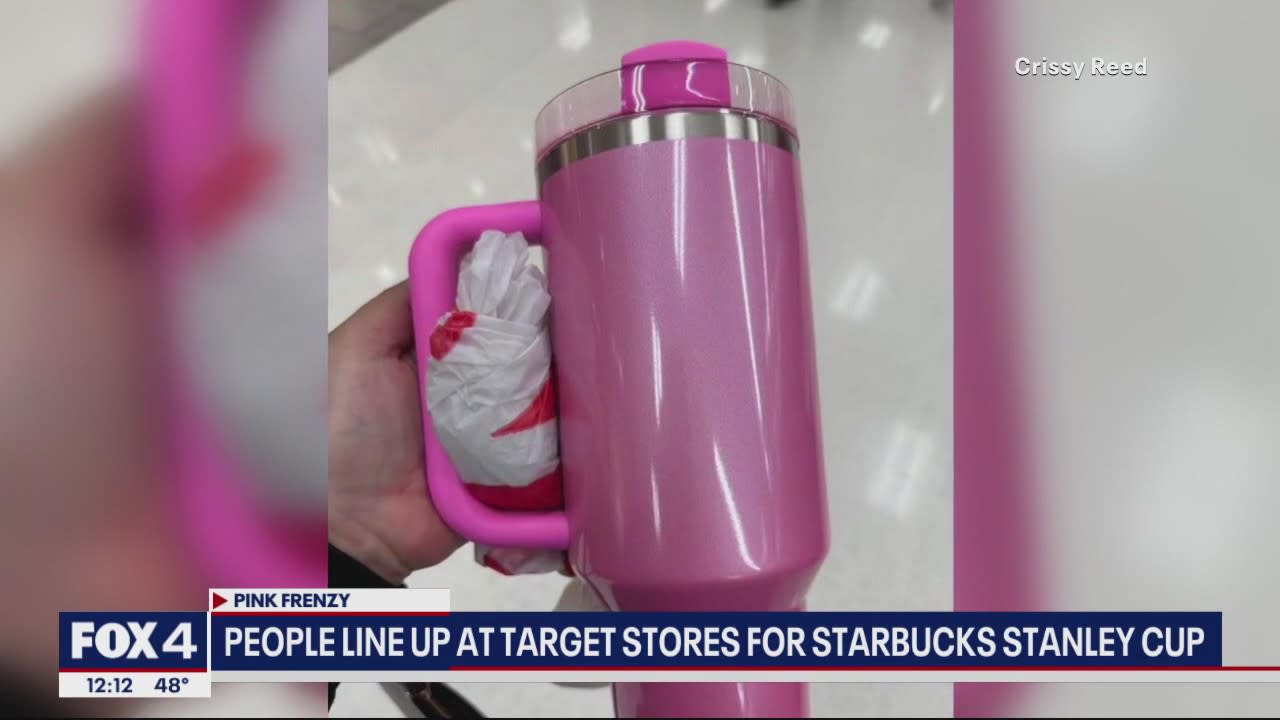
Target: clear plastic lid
664	76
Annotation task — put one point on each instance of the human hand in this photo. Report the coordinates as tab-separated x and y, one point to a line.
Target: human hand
84	506
379	510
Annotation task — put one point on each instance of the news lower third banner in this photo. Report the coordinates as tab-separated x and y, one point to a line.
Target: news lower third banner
275	635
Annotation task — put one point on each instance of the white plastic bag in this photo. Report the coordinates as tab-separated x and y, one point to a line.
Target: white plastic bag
490	391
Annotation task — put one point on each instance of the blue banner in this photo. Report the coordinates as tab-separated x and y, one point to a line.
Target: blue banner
137	641
568	640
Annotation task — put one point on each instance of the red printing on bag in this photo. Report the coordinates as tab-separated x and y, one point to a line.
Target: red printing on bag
239	178
542	409
545	493
449	332
489	562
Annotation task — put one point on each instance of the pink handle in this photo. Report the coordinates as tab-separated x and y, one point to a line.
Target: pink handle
433	287
193	56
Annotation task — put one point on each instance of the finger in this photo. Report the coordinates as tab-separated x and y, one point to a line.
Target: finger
382	327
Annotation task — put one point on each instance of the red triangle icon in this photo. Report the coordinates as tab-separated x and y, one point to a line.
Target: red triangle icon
218	600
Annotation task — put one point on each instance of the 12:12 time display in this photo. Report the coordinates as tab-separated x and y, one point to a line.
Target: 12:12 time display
110	686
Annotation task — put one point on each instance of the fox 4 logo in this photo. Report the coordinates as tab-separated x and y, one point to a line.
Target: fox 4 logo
129	640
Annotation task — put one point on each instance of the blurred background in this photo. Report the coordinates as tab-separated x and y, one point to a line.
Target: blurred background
162	335
1132	222
440	114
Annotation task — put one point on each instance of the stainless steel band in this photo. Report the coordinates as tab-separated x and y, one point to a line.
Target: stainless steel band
668	125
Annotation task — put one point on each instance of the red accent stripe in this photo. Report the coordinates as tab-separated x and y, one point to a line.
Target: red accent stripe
545	493
132	670
541	410
325	613
449	332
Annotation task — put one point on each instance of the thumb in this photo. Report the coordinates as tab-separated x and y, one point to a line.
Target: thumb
81	169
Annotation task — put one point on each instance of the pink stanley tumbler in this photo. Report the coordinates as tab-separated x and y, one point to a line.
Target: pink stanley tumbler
670	209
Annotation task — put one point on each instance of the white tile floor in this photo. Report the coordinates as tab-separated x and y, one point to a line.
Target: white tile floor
441	115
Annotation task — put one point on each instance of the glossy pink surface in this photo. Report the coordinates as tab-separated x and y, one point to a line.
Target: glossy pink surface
689	429
684	347
674	50
690	438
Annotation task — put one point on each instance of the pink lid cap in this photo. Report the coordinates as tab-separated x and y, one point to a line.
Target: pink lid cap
678	73
674	50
